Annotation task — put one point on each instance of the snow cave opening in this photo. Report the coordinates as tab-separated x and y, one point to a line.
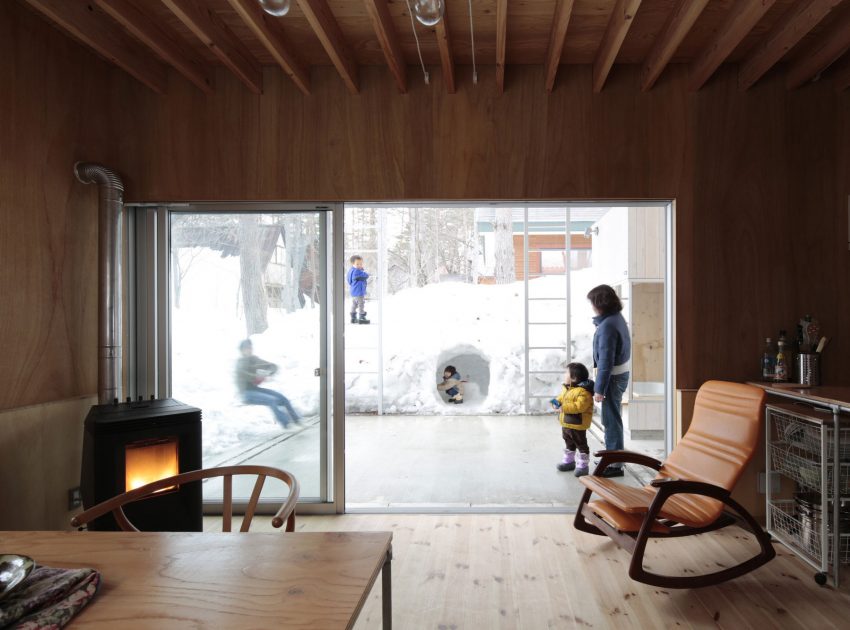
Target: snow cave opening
473	366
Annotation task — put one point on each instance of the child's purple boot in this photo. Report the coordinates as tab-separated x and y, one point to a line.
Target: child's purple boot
568	462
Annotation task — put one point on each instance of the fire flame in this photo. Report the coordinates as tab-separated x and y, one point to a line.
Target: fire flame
148	462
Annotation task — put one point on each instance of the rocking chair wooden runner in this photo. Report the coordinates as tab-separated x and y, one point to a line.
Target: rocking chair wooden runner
691	490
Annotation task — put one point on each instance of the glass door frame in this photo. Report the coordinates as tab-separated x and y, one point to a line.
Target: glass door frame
148	333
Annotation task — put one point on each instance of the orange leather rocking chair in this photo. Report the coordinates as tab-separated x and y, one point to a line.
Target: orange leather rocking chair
691	491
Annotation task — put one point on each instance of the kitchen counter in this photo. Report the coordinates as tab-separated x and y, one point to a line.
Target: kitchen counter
823	396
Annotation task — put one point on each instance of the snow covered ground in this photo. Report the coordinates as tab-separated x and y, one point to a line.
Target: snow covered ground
422	328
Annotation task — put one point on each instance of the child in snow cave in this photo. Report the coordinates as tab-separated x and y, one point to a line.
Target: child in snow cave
356	280
452	384
576	406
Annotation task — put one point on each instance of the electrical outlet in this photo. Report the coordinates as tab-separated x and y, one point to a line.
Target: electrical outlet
75	498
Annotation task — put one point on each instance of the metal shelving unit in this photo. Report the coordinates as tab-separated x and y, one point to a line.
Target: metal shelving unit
811	447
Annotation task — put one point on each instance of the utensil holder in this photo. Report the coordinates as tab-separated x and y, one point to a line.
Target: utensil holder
808	368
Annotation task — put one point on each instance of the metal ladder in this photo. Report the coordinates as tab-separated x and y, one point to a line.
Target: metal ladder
531	396
370	338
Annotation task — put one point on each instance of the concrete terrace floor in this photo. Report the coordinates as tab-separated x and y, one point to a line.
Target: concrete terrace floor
433	462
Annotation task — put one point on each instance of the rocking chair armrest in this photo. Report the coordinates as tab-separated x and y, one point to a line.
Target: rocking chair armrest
629	457
669	486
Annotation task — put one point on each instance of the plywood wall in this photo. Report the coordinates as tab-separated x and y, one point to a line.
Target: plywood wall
647	327
761	181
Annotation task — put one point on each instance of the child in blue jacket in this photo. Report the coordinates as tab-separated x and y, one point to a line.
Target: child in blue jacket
356	279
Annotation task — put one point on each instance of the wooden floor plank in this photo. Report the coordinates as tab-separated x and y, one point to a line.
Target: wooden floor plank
536	571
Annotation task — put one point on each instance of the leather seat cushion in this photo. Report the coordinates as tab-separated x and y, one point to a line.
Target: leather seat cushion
689	509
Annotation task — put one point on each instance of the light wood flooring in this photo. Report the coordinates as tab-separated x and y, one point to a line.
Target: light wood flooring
531	571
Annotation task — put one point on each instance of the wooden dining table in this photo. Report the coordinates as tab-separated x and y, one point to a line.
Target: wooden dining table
212	580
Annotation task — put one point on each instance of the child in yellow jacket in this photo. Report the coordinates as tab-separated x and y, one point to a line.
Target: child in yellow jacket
576	406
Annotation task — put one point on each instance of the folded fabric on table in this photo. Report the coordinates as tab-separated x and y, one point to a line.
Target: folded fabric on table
48	598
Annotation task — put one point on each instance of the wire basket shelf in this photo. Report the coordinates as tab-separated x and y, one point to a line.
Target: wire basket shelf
806	540
806	436
803	468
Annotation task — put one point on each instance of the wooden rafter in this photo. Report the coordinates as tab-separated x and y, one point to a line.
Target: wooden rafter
560	22
98	32
324	24
501	42
743	16
618	26
794	25
677	27
444	43
382	23
828	48
207	27
169	49
266	30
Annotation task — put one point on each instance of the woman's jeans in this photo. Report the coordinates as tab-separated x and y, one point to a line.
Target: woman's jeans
274	400
612	413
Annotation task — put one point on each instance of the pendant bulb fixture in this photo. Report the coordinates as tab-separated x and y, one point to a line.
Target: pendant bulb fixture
277	8
411	12
429	12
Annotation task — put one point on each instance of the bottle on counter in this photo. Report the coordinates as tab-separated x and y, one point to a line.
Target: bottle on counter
780	373
768	360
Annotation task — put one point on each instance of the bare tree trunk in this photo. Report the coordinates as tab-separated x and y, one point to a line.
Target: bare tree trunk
296	248
504	241
414	239
251	268
176	275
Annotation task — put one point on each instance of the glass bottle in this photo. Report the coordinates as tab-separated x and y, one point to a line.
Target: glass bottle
768	360
781	371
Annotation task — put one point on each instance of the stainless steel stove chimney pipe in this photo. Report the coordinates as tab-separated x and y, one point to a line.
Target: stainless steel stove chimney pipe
110	296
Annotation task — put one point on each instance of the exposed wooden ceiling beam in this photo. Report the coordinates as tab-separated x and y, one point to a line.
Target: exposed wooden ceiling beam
444	43
743	16
560	22
677	27
618	26
267	31
501	42
98	32
795	24
828	48
382	22
324	24
151	34
207	27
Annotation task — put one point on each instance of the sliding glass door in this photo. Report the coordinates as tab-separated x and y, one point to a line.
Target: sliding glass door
242	322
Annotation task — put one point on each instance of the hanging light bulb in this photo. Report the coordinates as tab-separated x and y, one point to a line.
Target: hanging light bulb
429	12
277	8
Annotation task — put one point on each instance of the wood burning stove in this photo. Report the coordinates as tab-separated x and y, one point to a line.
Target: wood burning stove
130	444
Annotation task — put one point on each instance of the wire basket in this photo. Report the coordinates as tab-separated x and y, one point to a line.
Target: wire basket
803	468
805	539
806	435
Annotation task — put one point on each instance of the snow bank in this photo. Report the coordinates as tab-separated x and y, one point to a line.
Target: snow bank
422	328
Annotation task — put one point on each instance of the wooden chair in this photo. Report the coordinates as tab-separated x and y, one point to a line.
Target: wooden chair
285	513
691	491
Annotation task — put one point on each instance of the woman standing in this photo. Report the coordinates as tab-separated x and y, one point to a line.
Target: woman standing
612	349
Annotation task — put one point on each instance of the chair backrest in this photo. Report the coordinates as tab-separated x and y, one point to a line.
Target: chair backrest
286	513
722	437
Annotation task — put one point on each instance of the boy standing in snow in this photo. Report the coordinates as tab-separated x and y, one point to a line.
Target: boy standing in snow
576	406
356	280
452	385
